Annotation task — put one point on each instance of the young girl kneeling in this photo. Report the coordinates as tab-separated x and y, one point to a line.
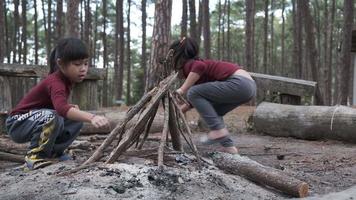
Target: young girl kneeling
44	117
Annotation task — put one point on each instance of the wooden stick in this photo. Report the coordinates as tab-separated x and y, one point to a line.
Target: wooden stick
11	157
120	127
164	133
258	173
147	128
163	88
186	127
173	127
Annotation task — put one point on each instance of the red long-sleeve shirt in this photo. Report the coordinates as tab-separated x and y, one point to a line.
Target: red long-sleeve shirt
210	70
52	93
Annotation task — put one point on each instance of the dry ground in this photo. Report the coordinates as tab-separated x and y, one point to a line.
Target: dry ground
327	166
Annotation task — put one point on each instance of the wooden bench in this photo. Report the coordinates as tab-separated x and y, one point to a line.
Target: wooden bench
16	80
284	90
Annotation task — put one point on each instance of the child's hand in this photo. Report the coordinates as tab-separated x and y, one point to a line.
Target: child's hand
178	96
99	121
74	106
185	107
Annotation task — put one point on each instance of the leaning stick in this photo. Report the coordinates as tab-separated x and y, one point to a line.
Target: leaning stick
164	86
164	133
120	127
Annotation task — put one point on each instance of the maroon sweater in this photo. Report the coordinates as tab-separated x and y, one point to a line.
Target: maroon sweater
52	93
210	70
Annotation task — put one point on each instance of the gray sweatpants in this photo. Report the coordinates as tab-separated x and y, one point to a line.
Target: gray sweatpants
214	99
49	134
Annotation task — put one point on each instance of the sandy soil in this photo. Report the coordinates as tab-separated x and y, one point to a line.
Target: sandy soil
329	167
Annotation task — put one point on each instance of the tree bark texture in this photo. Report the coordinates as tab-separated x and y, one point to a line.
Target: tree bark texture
306	122
261	174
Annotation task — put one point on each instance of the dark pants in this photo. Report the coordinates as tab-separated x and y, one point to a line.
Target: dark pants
49	134
214	99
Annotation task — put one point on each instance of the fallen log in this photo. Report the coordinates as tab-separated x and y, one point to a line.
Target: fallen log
11	157
306	122
260	174
117	118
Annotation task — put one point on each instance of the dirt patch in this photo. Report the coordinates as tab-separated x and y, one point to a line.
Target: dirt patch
327	166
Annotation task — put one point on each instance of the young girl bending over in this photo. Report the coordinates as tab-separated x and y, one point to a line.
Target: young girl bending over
44	117
212	87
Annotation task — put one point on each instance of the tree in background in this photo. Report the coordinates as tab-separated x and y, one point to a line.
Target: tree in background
72	18
119	49
184	25
250	13
160	41
2	31
345	64
206	28
128	56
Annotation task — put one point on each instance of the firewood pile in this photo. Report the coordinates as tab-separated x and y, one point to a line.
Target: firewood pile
145	110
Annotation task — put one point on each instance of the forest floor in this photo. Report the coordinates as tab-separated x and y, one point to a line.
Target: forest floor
329	167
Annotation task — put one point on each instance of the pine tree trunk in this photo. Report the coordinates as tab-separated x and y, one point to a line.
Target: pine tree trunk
206	28
346	52
250	13
160	41
72	18
7	37
200	22
184	25
87	27
105	54
310	44
329	65
192	19
24	31
36	32
119	46
283	64
300	70
223	46
95	33
128	57
265	43
59	20
228	31
19	39
16	31
45	26
271	52
144	46
325	53
49	26
2	31
219	31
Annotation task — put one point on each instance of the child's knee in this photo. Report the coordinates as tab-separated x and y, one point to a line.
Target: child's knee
192	94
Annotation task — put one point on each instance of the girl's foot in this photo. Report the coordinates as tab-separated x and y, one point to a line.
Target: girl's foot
214	134
230	150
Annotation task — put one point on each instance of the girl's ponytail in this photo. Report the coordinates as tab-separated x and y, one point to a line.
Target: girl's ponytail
53	61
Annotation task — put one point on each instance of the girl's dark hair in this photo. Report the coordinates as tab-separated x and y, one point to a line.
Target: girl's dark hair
184	50
67	49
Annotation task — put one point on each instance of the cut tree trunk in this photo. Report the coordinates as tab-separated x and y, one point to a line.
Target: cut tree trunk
260	174
11	157
306	122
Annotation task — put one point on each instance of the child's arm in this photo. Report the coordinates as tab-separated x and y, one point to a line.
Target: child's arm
189	82
78	115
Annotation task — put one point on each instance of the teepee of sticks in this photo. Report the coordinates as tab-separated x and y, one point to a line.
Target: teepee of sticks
145	110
